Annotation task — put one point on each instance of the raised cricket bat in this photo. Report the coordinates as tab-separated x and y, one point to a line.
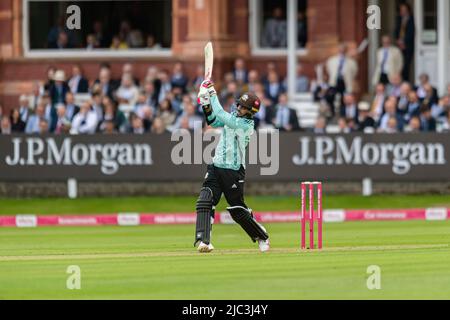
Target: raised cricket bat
209	59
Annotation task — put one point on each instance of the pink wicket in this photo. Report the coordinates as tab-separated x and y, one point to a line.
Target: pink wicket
311	215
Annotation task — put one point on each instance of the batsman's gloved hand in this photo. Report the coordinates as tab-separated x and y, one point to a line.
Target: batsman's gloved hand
208	85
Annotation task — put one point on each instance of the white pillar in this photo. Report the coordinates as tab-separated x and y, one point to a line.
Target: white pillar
443	10
292	47
374	44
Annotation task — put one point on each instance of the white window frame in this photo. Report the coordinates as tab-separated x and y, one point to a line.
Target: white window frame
255	14
81	53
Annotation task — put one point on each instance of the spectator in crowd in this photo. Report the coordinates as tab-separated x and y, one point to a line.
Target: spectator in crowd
365	122
301	81
118	43
62	41
413	106
231	89
147	116
403	100
63	123
5	125
405	33
128	68
158	126
253	80
24	108
114	114
193	120
263	118
439	110
302	31
166	113
17	125
91	43
97	105
108	127
101	39
428	123
165	85
342	71
389	62
60	88
395	87
32	124
446	124
151	43
128	92
140	103
33	98
321	125
377	108
50	78
431	97
423	89
178	79
343	125
414	125
270	67
43	126
275	30
149	91
136	124
85	121
285	118
78	83
50	111
105	84
274	88
240	73
386	122
350	108
71	108
198	79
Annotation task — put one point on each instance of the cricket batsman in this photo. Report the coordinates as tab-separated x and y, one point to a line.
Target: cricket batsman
227	173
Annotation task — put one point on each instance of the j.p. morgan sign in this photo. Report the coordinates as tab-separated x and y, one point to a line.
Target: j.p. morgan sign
272	157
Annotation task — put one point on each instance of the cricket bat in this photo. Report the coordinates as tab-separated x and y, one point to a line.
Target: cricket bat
209	59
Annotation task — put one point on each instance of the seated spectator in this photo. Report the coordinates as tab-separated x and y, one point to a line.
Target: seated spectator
193	120
91	42
263	119
151	43
78	83
365	122
50	111
136	39
275	30
270	67
403	100
17	125
62	42
118	43
178	79
24	108
128	92
112	113
5	125
439	110
140	102
427	122
424	81
414	125
32	124
321	125
392	125
176	98
109	127
101	39
301	81
85	122
166	113
431	97
446	124
97	105
60	88
165	85
198	79
146	114
158	126
285	118
150	94
43	126
385	123
128	68
71	108
50	75
377	108
394	88
240	73
253	80
136	125
63	123
37	92
413	106
350	108
105	84
273	88
343	125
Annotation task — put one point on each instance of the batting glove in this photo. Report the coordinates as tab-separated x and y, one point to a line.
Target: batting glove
209	86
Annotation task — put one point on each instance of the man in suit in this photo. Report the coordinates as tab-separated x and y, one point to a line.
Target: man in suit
405	33
274	87
389	62
78	83
34	119
240	73
285	118
24	108
105	83
342	71
71	108
275	30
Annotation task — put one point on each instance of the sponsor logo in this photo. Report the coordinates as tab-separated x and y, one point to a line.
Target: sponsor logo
26	220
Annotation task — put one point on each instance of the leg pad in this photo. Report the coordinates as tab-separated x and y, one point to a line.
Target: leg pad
244	217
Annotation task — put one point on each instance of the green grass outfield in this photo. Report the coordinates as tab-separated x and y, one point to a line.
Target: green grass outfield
159	262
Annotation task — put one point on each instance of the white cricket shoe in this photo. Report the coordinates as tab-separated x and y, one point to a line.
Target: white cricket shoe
264	245
205	248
